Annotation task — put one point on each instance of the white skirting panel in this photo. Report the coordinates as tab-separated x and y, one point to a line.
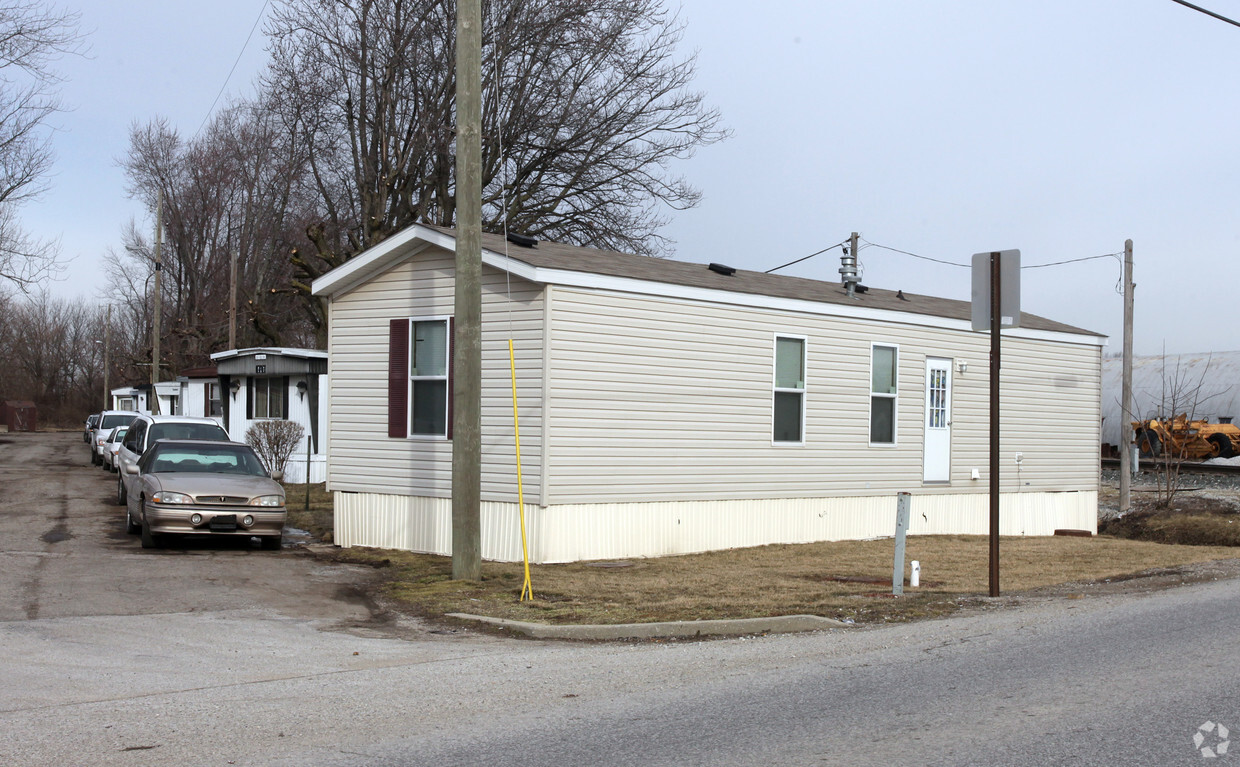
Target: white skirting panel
613	531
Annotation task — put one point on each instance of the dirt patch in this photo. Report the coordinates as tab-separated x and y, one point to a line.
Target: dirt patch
1195	517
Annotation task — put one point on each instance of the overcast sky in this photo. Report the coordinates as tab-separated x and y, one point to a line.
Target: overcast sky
1060	128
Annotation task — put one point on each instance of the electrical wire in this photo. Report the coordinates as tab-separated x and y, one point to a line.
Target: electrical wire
806	258
262	12
914	255
1199	9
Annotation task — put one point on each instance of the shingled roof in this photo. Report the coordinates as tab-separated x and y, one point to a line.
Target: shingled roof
574	258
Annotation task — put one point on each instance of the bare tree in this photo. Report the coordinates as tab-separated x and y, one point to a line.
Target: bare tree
226	195
1170	432
586	109
49	354
33	35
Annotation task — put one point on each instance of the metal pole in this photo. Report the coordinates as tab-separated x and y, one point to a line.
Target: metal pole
1125	409
153	401
995	318
467	335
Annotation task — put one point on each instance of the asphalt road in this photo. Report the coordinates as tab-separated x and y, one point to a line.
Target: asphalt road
230	655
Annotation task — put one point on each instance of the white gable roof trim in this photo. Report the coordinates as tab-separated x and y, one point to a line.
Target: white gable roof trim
393	251
280	350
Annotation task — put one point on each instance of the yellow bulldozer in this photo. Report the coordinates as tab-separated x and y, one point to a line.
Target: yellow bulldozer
1189	440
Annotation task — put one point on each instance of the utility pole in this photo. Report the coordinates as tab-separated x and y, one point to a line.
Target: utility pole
1126	408
107	360
467	333
232	299
153	399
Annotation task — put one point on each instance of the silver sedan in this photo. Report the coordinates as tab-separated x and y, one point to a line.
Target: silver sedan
199	487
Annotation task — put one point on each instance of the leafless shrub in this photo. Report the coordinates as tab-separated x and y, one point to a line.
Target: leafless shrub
275	441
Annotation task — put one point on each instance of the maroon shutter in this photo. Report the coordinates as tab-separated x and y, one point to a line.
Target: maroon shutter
398	378
451	359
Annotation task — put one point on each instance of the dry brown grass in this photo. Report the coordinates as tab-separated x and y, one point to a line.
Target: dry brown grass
847	579
318	520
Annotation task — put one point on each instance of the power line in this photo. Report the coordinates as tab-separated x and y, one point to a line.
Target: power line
1074	261
806	258
969	266
914	255
241	53
1199	9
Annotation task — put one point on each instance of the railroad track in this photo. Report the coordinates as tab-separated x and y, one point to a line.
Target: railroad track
1187	467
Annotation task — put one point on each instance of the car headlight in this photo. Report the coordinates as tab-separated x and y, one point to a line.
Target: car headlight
163	496
268	500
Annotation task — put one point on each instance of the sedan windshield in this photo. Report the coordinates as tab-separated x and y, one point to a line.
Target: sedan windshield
207	459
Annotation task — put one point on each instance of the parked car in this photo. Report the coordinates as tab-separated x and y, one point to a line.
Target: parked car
108	420
91	421
203	487
111	445
146	430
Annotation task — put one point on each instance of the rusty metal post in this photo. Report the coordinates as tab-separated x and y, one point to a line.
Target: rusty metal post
996	316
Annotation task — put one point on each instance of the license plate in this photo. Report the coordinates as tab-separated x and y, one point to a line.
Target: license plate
224	523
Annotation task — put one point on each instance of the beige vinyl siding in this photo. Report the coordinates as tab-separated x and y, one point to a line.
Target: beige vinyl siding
363	457
658	400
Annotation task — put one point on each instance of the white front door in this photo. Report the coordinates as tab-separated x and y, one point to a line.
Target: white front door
937	448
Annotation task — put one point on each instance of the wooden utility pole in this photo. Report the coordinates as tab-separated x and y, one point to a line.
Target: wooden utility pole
153	399
232	299
1126	408
467	335
107	360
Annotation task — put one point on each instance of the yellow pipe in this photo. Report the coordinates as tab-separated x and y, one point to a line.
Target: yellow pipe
527	591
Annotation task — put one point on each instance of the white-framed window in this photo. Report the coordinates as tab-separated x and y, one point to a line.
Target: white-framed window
269	398
884	385
428	377
788	395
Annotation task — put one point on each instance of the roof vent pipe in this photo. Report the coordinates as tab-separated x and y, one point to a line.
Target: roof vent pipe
848	268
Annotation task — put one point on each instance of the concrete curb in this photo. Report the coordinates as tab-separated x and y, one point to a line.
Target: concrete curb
781	624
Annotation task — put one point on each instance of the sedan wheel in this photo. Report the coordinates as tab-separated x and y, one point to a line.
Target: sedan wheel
131	527
120	495
149	539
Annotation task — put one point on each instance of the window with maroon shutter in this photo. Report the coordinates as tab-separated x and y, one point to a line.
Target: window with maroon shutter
398	378
428	374
419	377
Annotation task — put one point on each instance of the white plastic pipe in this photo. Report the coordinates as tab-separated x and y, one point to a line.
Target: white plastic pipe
914	577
